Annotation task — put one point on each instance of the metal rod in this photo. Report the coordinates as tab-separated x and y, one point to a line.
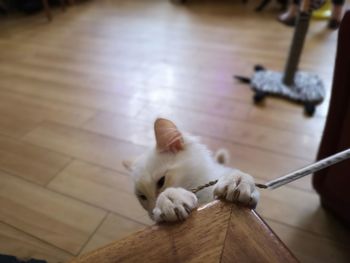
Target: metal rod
312	168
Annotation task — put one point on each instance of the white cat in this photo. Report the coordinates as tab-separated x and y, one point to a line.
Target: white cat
163	176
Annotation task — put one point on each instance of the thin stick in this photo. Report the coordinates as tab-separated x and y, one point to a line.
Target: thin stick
195	190
312	168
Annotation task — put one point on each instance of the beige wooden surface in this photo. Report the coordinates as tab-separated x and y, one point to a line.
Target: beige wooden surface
216	232
80	94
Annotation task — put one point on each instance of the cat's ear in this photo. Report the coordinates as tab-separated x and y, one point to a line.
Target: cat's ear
128	165
168	137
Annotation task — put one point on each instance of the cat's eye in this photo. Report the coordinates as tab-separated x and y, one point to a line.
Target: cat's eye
160	182
142	197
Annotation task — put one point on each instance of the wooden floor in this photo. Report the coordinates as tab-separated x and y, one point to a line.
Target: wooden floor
78	95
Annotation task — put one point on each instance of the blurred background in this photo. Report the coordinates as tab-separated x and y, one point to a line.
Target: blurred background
81	85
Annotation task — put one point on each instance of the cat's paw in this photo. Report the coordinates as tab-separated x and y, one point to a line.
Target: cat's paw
237	187
174	204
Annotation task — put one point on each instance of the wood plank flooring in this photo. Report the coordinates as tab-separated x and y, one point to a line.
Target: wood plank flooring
80	94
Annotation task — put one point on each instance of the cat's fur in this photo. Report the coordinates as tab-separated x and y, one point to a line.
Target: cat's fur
164	175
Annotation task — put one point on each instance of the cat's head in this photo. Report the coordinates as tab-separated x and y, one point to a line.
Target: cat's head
173	162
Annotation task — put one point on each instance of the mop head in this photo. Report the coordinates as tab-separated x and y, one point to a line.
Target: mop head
307	87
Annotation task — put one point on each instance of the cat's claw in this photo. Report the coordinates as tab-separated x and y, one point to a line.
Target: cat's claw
174	204
237	187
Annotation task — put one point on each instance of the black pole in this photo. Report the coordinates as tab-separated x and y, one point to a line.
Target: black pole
296	48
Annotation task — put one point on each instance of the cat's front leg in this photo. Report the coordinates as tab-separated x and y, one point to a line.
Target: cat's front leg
237	187
174	204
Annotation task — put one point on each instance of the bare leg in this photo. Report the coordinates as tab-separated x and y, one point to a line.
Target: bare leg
289	17
63	5
334	22
47	9
337	12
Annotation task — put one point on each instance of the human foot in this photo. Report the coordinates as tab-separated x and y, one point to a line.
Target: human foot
334	22
289	17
